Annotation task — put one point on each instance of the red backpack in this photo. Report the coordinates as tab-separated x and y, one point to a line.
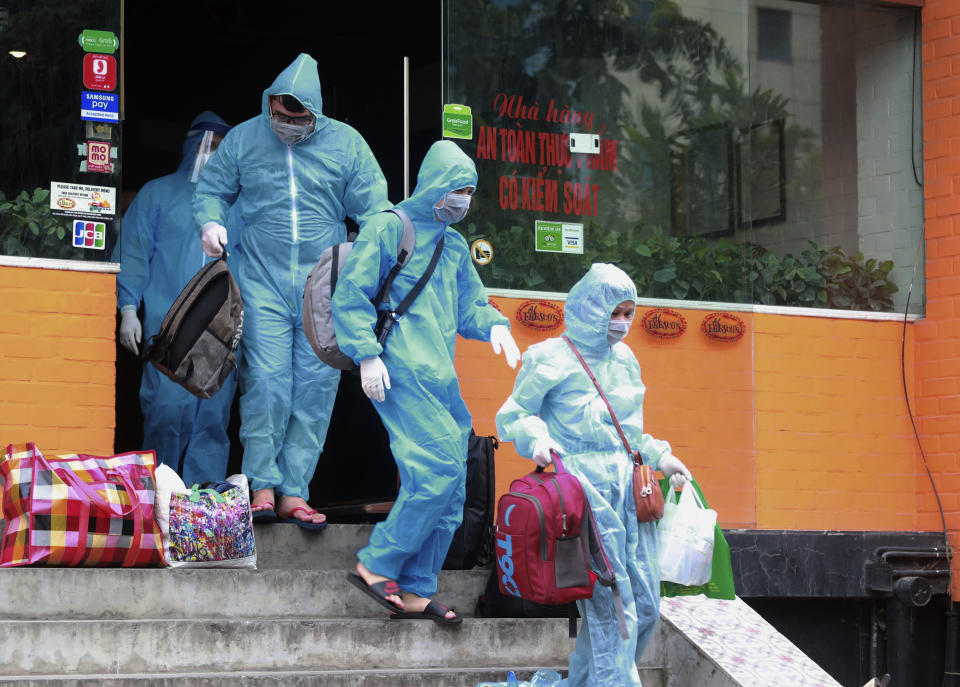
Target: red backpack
548	547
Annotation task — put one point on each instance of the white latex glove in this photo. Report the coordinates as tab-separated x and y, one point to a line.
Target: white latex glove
374	377
500	339
131	331
214	239
672	467
541	451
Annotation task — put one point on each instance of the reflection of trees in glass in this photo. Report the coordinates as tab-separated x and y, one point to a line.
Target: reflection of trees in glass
593	56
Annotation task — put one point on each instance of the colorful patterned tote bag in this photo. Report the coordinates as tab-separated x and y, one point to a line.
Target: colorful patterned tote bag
79	510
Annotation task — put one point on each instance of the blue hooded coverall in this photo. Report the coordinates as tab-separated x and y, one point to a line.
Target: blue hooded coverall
158	254
423	411
294	200
553	397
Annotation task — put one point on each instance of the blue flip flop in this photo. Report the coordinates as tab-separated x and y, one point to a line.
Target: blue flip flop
305	524
265	515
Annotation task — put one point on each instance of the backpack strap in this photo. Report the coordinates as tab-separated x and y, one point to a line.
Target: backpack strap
387	318
404	251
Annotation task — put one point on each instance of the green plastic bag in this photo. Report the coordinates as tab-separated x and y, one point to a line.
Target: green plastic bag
720	585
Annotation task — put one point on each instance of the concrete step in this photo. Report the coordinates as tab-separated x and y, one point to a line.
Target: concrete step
414	677
114	647
284	545
214	646
136	593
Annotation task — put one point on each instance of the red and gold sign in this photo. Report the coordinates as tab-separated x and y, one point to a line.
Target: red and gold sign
723	326
663	323
543	316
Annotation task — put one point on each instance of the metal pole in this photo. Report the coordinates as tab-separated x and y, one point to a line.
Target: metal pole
406	127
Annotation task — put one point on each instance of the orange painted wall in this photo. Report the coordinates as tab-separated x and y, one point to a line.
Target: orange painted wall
801	424
57	356
938	336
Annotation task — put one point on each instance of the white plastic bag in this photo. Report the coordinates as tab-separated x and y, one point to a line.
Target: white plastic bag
686	539
203	529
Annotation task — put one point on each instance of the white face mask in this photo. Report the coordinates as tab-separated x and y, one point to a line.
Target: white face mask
617	330
290	133
453	207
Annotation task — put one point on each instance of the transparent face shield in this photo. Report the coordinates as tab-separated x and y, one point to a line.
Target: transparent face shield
204	151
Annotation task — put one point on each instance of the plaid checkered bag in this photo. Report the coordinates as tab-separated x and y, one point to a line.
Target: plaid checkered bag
77	510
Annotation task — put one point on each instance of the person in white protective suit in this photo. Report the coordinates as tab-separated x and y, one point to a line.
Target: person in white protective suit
556	407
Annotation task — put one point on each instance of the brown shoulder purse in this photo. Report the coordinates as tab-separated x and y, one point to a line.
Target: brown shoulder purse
646	488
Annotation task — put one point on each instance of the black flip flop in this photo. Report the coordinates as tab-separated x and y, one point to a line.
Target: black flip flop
378	591
433	611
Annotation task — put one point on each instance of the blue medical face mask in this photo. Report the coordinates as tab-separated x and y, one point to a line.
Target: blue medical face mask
617	330
454	208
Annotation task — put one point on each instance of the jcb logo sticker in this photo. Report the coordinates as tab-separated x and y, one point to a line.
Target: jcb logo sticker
89	235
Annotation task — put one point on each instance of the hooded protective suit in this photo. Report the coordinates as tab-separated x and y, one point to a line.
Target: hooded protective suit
158	255
294	200
423	410
553	397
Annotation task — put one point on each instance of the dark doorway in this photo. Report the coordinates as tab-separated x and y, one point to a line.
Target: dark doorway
182	58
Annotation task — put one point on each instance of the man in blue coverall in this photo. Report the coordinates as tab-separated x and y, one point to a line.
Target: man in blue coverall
158	255
298	174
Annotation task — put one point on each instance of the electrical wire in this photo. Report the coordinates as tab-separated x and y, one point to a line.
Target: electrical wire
906	398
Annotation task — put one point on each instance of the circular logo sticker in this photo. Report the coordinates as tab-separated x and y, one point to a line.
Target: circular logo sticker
481	251
540	315
663	323
723	326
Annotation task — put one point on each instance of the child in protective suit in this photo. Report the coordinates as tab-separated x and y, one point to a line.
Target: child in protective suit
556	407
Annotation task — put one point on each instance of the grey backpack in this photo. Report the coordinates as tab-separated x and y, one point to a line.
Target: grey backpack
200	332
318	294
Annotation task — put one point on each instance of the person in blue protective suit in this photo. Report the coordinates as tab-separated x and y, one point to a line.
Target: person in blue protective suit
413	380
298	175
158	255
556	407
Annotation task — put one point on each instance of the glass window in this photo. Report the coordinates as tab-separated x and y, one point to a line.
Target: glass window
60	128
716	151
773	35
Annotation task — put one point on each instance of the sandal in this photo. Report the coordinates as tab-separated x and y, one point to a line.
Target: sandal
378	591
264	513
305	524
433	611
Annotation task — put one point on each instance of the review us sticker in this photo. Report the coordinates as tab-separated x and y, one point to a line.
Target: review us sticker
559	237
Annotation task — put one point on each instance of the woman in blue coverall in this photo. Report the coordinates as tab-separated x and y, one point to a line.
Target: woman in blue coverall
556	407
158	255
413	380
298	175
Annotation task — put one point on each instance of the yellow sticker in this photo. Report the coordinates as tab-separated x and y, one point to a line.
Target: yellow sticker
482	252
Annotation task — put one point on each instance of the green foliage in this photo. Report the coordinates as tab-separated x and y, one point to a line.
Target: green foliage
27	228
698	269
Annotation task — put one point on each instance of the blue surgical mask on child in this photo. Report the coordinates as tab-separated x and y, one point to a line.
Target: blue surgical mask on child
617	330
454	208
